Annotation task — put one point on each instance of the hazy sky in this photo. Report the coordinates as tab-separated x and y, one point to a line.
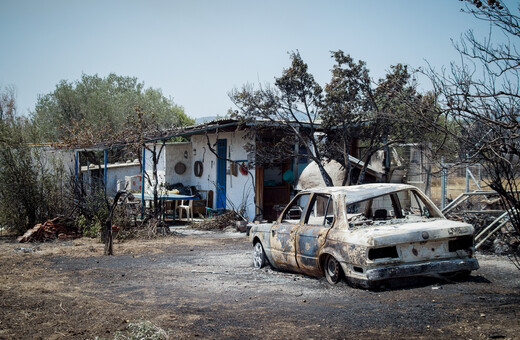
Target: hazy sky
197	51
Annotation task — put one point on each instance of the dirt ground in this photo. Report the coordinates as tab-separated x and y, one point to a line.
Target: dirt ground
202	285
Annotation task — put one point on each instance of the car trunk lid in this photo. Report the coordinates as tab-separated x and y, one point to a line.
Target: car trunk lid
392	234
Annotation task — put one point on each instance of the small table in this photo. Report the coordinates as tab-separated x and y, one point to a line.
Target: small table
166	197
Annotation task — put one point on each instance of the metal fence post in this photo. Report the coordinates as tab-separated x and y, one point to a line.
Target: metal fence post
479	176
143	171
444	182
467	177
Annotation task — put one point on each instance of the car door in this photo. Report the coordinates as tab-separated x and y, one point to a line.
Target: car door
311	235
283	233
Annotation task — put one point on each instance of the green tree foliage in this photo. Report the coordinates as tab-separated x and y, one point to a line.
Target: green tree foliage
28	191
102	106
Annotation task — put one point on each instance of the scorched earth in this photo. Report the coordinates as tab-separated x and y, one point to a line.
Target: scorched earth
203	285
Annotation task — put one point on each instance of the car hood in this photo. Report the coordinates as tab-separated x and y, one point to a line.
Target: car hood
391	234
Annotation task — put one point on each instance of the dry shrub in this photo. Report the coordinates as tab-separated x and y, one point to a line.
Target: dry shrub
219	222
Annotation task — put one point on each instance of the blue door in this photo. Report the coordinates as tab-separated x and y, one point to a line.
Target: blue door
221	173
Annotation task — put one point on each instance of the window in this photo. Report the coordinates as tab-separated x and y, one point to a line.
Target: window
394	208
417	207
294	212
322	211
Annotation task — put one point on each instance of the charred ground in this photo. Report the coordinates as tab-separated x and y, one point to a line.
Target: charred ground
203	285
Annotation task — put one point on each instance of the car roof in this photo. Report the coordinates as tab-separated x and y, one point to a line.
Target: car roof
356	193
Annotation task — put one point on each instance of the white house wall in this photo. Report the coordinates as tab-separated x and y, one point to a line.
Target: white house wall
173	154
54	160
161	172
117	174
239	189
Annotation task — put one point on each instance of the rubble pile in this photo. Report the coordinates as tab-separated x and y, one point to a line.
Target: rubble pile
503	241
60	227
494	232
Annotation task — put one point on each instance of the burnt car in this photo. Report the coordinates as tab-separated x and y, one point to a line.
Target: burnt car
366	234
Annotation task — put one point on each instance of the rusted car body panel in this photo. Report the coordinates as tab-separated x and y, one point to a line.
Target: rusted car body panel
375	231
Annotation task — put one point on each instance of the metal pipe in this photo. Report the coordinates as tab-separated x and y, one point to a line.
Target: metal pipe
143	167
105	171
467	178
444	182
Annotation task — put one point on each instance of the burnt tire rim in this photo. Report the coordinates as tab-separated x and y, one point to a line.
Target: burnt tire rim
332	270
258	256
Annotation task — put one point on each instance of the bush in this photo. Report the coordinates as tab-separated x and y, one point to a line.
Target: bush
142	330
30	183
91	230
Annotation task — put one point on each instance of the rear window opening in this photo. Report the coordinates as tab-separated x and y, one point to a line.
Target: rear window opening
395	207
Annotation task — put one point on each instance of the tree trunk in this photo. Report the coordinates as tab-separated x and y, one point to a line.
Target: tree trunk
109	243
109	240
348	167
361	176
325	175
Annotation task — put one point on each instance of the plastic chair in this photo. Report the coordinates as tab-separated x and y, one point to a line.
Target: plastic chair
187	206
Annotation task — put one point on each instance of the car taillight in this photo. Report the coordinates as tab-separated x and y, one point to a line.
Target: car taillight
460	243
381	253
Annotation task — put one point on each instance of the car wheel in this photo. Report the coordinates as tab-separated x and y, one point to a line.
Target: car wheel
332	270
258	255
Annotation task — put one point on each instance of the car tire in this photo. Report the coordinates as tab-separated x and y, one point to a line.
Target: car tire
333	271
259	258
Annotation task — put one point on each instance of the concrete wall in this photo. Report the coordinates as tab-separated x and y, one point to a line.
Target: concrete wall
239	189
53	159
117	174
161	170
60	163
173	154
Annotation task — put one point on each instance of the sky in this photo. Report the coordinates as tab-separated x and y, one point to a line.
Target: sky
197	51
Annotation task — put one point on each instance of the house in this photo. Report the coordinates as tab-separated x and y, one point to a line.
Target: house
222	156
